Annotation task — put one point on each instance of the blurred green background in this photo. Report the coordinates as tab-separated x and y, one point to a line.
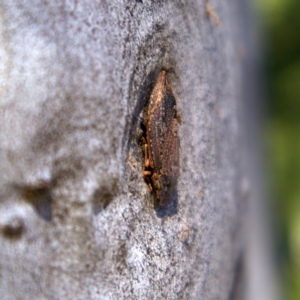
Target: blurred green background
281	43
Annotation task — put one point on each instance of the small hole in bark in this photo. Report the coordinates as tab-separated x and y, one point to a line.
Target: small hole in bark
40	197
101	199
13	229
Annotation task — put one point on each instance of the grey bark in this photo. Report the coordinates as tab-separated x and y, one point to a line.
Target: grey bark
77	218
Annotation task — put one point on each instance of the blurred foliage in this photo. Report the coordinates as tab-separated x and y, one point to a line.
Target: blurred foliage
281	38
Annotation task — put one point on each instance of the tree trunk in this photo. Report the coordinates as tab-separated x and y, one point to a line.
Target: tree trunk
78	220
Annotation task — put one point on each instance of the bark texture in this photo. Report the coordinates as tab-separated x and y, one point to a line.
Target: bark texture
77	219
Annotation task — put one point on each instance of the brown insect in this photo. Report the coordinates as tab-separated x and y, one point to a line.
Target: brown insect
161	143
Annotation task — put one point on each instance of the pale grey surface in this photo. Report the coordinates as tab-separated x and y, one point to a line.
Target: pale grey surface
75	78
